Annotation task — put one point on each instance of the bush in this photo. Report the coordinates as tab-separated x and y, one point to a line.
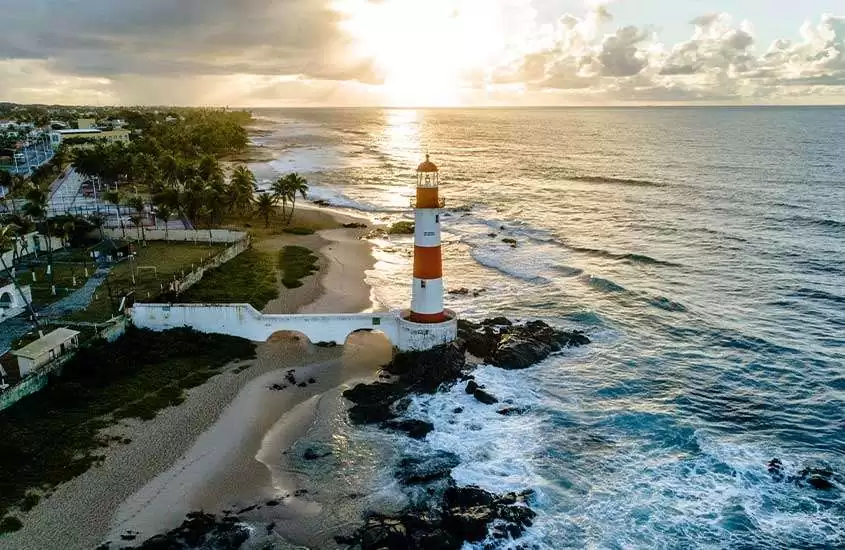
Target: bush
296	262
248	278
10	524
299	230
30	501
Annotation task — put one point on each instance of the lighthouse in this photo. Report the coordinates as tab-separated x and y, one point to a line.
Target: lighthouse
427	294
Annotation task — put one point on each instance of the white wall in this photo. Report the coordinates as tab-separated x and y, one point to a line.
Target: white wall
26	246
180	235
245	321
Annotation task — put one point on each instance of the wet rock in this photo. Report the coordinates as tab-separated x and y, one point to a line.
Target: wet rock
820	478
373	402
416	429
321	202
355	225
484	397
463	291
458	410
510	411
312	454
326	344
471	387
312	381
775	468
302	384
300	492
416	470
272	503
492	235
200	530
278	387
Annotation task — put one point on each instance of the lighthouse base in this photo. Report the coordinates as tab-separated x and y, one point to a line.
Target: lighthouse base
415	336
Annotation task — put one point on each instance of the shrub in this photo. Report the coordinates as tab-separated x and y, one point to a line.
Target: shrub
10	524
402	228
296	263
299	230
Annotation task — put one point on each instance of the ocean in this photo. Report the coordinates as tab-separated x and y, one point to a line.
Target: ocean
702	251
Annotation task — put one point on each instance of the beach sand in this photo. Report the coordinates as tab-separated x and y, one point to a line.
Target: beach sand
218	449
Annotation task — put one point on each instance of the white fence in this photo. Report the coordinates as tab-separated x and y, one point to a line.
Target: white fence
26	245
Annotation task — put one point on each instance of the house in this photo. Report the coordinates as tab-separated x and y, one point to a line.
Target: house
86	123
88	135
57	345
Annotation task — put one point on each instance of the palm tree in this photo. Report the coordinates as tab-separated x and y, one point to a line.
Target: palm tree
36	209
164	213
113	197
264	206
241	188
297	185
98	220
8	236
136	203
281	192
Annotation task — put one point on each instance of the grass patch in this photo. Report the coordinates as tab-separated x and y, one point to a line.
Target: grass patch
52	436
248	278
296	263
401	228
298	230
63	279
169	259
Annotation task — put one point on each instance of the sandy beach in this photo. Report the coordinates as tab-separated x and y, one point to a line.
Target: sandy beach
219	449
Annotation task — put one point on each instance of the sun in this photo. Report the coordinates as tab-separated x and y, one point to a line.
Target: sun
427	51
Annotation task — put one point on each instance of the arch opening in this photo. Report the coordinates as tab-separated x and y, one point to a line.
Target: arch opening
5	300
367	349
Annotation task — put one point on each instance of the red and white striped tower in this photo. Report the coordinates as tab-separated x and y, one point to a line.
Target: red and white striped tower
427	296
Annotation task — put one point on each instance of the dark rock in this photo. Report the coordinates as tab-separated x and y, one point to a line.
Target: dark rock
471	387
200	530
510	411
300	492
373	402
272	503
508	240
416	429
384	533
484	397
425	371
355	225
458	410
321	202
497	322
350	540
312	381
416	470
463	291
302	384
326	344
271	527
247	509
776	469
820	478
311	454
278	387
492	235
129	535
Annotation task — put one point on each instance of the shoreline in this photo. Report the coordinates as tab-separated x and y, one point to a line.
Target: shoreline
78	514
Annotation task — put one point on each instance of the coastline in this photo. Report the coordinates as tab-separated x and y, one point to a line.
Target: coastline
79	514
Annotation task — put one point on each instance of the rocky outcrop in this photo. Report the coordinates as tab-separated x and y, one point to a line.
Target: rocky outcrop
819	477
448	516
466	515
500	342
200	530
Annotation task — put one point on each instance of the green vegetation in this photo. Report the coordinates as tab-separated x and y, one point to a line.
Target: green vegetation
285	189
10	524
30	501
296	263
299	230
53	436
169	259
249	278
402	228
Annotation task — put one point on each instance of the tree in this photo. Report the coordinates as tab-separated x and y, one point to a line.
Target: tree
242	188
36	209
7	182
113	197
264	206
280	189
164	212
297	185
8	236
98	220
136	203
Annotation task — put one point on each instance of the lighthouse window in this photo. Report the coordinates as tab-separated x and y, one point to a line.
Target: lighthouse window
437	218
422	284
429	233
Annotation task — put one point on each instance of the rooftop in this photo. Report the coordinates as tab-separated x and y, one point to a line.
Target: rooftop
44	345
427	166
79	131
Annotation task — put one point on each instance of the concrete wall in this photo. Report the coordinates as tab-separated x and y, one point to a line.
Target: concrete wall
180	235
245	321
26	246
230	253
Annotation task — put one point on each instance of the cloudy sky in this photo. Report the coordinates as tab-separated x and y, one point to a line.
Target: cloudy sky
422	52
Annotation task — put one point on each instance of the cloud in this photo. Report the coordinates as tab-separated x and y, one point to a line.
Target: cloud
301	51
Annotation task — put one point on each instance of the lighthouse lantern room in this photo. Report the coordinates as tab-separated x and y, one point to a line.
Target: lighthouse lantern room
427	295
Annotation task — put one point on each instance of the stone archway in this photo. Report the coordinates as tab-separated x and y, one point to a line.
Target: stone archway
367	349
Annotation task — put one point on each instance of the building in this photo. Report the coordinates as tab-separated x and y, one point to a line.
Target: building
13	300
55	346
88	135
86	123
